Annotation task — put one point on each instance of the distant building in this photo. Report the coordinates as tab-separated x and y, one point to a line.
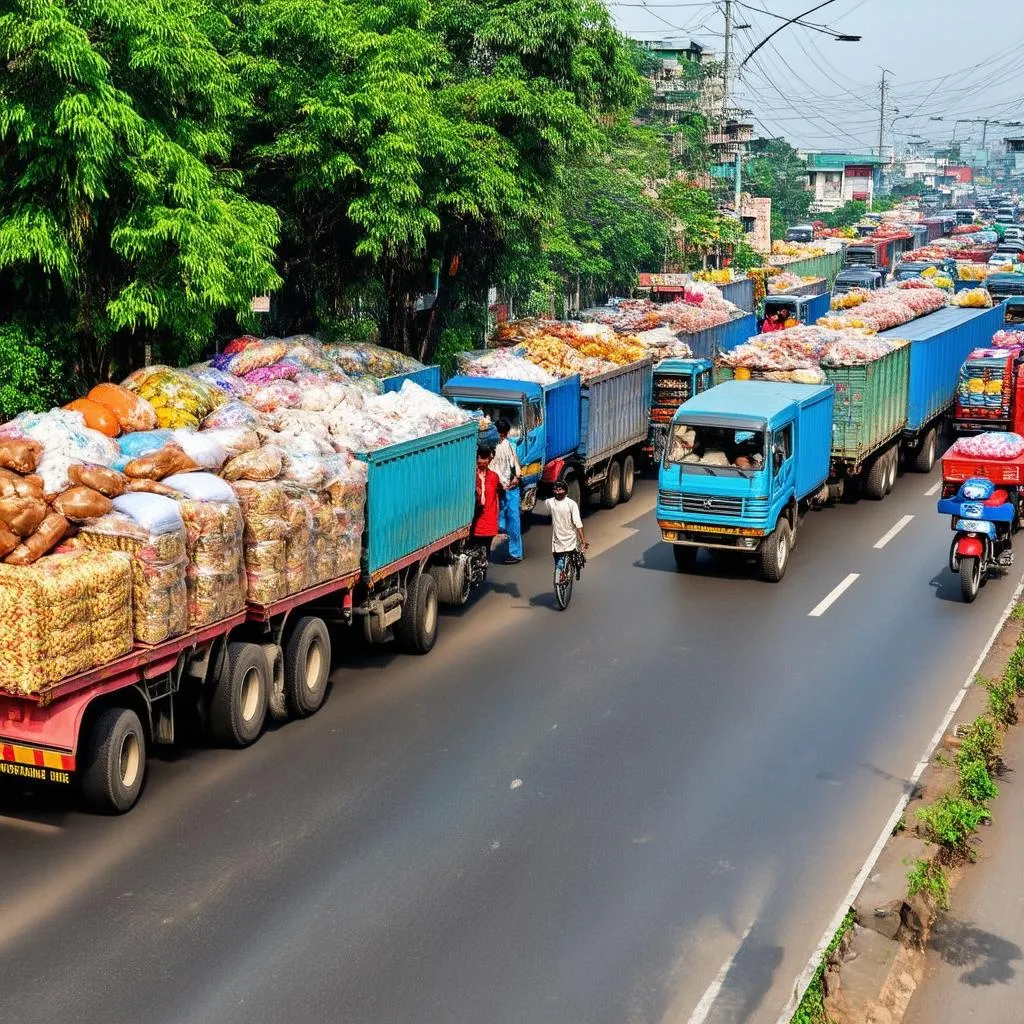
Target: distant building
1014	160
838	178
756	221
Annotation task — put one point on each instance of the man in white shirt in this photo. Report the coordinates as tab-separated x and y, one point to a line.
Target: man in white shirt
566	523
506	464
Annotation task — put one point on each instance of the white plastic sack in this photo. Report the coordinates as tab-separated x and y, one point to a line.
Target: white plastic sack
153	512
202	447
201	487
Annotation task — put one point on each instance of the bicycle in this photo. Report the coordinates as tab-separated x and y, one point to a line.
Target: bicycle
568	566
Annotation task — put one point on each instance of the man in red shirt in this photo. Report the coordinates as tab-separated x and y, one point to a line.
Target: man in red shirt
488	486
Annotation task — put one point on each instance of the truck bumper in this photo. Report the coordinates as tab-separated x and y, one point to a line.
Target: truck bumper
729	538
35	764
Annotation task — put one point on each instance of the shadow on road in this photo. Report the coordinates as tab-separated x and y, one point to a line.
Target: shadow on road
988	957
720	564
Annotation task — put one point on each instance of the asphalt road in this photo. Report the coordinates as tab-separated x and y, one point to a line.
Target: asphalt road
649	804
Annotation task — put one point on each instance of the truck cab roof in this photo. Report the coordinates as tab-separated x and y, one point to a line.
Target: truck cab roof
757	402
492	387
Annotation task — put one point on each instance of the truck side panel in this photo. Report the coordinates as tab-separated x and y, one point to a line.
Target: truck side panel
429	378
939	344
723	338
818	306
871	404
416	493
615	410
813	442
740	293
561	418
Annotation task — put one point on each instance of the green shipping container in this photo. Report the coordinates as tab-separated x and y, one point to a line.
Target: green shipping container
817	266
870	404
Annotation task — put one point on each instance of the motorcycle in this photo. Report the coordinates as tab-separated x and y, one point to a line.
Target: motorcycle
983	519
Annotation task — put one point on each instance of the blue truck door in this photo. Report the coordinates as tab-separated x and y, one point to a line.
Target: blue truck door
783	465
533	434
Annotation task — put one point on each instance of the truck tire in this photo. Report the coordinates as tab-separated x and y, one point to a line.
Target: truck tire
238	707
114	762
775	552
573	489
307	664
416	631
628	478
685	556
893	459
878	475
611	492
925	457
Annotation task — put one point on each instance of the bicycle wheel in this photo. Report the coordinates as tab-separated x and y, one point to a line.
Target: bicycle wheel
563	582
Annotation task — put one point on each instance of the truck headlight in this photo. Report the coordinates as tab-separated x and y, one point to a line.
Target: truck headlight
669	534
747	542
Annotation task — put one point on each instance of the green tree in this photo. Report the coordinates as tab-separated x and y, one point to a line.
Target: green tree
120	221
846	215
409	142
699	229
773	169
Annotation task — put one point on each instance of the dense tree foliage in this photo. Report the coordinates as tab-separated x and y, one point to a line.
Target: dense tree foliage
774	170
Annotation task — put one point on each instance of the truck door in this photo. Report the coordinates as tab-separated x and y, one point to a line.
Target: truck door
531	456
783	471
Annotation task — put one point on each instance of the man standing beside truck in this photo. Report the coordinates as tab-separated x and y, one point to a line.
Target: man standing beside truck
506	464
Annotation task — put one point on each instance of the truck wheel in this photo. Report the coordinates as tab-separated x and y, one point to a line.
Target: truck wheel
307	664
970	578
893	459
611	492
628	478
878	476
573	489
685	556
925	457
416	631
115	762
239	704
775	552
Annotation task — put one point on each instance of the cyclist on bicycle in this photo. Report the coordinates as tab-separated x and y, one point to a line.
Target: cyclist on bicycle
566	524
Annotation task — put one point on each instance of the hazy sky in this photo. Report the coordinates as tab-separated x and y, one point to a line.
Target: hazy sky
947	58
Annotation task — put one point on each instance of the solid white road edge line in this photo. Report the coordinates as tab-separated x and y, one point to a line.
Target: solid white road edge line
833	595
707	1001
934	489
886	537
807	974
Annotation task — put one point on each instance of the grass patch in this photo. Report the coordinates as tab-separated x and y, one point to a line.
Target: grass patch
812	1007
951	821
976	783
929	878
981	742
1002	700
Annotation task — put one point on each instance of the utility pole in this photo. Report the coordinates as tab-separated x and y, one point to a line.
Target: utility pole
727	56
881	113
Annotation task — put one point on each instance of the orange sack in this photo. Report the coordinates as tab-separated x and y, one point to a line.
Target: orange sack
80	504
15	484
132	412
20	454
156	465
22	515
51	531
96	416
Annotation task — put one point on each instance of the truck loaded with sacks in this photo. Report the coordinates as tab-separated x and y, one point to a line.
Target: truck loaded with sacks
193	545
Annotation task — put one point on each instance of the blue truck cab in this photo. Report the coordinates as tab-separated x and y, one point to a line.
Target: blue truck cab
742	463
805	309
675	381
544	417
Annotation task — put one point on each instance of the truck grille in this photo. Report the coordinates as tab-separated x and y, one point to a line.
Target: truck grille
708	505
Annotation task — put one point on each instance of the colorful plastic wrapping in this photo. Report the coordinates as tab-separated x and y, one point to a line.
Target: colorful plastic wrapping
991	445
251	357
63	615
180	400
366	359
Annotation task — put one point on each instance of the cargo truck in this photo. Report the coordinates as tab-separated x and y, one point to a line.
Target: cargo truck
869	417
589	433
939	344
95	728
871	253
805	309
675	381
724	337
989	393
707	499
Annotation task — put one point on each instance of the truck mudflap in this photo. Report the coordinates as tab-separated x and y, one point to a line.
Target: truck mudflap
35	764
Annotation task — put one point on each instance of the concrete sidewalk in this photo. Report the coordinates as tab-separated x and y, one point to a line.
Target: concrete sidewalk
975	957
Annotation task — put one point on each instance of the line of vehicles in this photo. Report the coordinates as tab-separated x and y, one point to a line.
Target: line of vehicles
596	436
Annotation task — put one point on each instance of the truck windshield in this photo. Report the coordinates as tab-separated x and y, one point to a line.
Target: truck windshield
494	411
717	450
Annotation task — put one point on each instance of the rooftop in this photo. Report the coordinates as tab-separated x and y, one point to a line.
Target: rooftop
837	161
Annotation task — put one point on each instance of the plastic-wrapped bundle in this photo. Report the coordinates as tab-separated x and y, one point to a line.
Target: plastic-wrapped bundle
972	298
232	386
132	413
1008	339
663	343
298	547
159	599
262	464
991	445
267	374
241	343
250	358
65	439
264	514
502	363
180	400
346	490
202	448
278	394
63	615
304	470
231	415
215	576
358	359
234	440
319	392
